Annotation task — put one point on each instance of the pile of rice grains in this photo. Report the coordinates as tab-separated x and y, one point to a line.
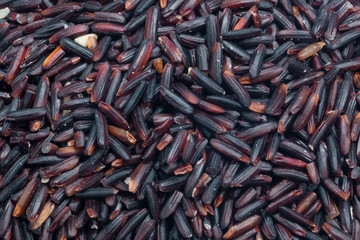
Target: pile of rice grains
180	119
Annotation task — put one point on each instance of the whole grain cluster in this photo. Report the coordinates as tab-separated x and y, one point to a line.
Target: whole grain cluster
180	119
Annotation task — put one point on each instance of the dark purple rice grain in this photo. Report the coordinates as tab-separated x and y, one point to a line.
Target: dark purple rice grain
335	232
171	204
235	51
75	48
290	226
182	224
251	208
